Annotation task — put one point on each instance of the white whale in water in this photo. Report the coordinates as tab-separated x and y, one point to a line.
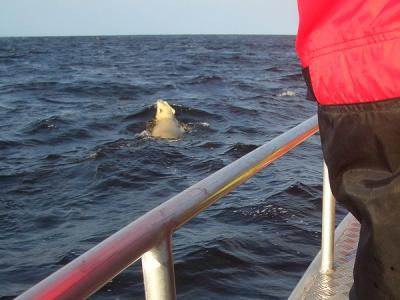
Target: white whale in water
166	126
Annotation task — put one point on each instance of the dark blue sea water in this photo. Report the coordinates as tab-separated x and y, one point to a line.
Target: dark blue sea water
75	165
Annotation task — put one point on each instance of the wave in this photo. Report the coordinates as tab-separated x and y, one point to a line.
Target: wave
6	107
70	256
231	258
55	130
123	91
237	58
143	114
30	86
8	297
9	144
137	152
211	145
303	190
217	255
274	69
297	77
239	149
206	79
37	51
242	129
110	147
277	206
118	183
243	111
74	133
59	100
11	56
53	157
188	113
215	47
44	125
111	176
262	213
207	166
198	127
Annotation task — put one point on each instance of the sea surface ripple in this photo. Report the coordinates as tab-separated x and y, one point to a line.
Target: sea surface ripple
75	165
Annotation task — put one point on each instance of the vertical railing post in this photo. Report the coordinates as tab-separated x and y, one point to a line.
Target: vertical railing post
158	271
328	225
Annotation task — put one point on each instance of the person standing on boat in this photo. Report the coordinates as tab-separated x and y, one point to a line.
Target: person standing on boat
350	51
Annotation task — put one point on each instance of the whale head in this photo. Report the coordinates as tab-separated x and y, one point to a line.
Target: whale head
164	110
165	124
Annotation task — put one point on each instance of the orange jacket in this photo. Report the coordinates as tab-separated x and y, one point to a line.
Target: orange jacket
350	49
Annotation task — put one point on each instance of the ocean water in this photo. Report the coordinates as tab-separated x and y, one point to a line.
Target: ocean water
76	163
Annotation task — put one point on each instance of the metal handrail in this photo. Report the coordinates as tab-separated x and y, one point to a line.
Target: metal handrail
149	236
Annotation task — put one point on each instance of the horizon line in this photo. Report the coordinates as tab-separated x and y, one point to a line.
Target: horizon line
150	34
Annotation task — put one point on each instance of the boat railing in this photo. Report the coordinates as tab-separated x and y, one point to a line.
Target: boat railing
150	236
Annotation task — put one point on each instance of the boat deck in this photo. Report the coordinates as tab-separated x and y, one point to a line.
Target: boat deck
337	285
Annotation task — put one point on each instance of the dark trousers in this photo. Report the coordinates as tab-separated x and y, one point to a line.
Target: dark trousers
361	146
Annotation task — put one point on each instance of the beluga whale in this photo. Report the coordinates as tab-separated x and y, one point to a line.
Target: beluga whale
165	125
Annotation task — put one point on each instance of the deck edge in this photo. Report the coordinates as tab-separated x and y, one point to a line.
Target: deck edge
313	269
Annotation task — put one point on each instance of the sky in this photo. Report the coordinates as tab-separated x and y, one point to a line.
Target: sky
132	17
